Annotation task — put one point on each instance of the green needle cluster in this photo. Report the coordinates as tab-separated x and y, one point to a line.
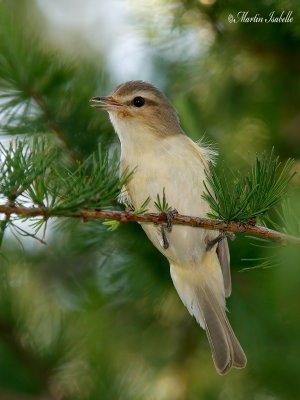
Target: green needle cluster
233	197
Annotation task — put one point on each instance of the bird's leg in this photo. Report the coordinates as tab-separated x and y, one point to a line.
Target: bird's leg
170	215
210	243
164	236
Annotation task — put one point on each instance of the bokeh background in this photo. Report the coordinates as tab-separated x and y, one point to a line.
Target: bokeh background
93	314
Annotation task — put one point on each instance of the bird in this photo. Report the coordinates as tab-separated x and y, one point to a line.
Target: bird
164	158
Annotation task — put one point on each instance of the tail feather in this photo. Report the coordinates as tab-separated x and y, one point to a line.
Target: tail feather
226	349
207	304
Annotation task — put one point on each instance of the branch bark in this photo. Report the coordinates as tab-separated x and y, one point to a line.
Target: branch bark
156	218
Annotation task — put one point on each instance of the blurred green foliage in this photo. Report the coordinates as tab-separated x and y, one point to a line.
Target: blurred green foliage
93	315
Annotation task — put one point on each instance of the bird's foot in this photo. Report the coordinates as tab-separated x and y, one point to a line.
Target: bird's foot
170	214
231	235
210	243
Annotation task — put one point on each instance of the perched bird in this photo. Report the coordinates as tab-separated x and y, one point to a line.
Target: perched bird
163	157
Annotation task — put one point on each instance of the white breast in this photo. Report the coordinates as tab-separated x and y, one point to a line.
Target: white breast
173	163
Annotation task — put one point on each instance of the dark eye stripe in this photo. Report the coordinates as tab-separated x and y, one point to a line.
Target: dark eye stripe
149	102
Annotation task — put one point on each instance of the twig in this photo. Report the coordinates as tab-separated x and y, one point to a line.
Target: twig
156	218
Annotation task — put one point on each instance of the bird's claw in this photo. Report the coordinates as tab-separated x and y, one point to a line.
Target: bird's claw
231	235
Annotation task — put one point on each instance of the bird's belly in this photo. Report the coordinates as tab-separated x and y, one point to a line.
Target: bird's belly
182	181
186	246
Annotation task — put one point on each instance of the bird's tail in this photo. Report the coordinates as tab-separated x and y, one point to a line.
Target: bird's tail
202	294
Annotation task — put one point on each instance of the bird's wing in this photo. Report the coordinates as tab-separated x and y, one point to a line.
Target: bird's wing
222	249
224	258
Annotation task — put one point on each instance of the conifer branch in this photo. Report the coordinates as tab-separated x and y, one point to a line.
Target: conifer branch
156	218
48	117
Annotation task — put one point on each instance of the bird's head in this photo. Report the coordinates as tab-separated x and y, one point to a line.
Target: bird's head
137	105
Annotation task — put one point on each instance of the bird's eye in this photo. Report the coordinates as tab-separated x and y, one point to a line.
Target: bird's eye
138	101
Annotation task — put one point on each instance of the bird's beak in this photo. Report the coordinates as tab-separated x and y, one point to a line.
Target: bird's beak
109	103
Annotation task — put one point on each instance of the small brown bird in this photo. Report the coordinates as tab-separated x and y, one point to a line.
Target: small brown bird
162	156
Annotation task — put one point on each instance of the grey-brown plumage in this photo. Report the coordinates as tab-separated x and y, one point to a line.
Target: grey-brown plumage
159	109
224	258
226	350
127	89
